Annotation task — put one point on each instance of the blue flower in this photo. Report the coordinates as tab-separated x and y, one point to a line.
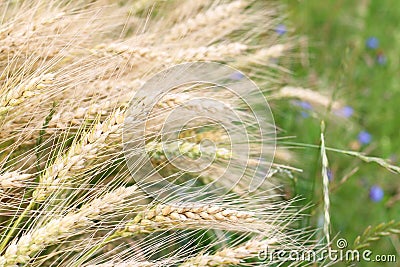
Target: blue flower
376	193
280	29
237	76
330	175
381	59
364	137
345	112
304	104
372	43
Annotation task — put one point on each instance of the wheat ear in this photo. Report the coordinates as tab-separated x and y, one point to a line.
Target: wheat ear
20	93
178	148
78	155
13	179
210	17
167	217
136	54
21	251
307	95
230	256
70	163
164	217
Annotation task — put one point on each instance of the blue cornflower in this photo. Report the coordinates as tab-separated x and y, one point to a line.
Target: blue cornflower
376	193
280	29
237	76
372	43
330	175
345	112
304	104
364	137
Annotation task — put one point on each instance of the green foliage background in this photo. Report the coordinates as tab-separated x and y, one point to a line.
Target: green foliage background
341	64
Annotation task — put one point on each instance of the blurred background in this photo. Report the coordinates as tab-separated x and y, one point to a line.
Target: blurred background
352	53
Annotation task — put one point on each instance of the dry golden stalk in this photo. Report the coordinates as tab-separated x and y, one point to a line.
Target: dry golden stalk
264	56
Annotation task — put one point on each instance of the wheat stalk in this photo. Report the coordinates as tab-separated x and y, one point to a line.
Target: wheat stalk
130	264
182	148
73	161
187	216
